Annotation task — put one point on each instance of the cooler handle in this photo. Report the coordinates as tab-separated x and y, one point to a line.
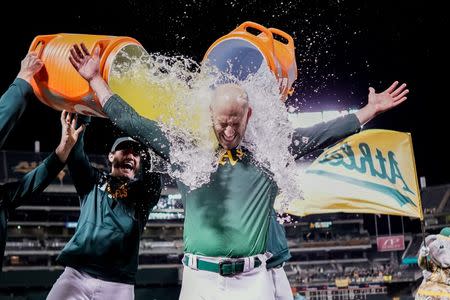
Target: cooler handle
261	28
284	35
39	43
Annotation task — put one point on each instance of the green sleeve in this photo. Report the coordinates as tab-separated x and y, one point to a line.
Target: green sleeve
12	104
276	243
148	190
33	183
142	129
84	176
320	136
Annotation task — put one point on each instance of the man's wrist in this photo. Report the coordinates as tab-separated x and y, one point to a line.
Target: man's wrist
101	89
96	79
25	76
366	114
371	110
63	151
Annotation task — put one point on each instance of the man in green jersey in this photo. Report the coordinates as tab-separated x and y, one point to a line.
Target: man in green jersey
226	220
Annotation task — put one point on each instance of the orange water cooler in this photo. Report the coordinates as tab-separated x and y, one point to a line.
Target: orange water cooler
59	85
245	49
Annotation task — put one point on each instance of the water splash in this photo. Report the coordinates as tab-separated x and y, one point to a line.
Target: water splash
171	91
184	93
269	136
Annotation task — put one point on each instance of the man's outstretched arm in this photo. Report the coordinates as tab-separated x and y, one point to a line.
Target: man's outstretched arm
322	135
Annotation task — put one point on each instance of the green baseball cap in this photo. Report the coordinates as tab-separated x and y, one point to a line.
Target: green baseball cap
124	143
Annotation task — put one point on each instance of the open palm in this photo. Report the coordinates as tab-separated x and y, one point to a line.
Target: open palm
69	132
388	99
87	65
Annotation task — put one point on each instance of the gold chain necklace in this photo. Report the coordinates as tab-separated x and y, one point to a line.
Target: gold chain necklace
119	192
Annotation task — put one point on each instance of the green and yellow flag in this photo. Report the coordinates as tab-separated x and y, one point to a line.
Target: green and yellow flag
370	172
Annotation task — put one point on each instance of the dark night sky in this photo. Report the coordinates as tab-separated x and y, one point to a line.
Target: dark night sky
342	47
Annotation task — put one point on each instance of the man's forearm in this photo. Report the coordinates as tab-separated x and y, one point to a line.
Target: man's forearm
322	135
101	89
365	114
35	181
63	153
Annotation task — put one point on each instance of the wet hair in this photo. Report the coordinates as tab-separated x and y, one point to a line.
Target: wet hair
235	90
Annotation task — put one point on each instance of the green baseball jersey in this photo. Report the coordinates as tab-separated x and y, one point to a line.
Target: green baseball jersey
229	216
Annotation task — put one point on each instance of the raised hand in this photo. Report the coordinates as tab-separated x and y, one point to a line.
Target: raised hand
29	66
89	68
388	99
378	103
87	65
69	135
